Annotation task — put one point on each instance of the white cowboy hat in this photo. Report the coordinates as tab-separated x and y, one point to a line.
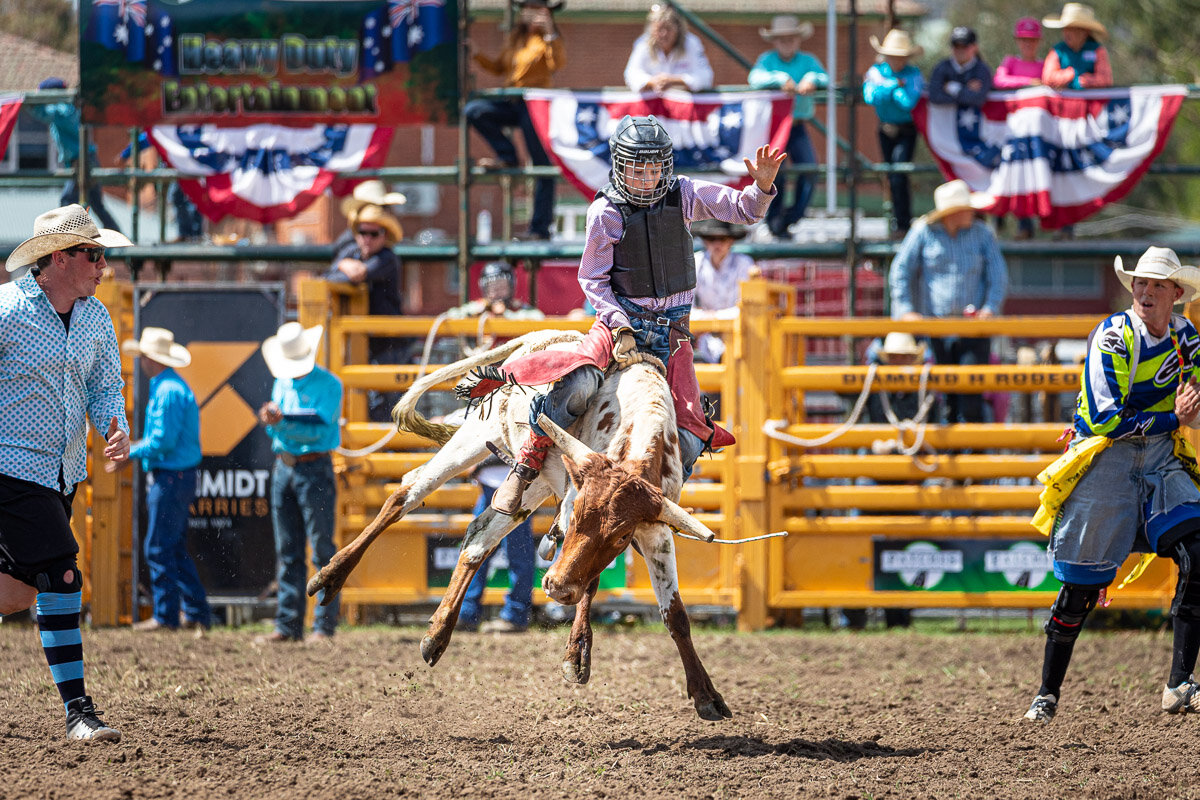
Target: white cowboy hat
292	352
158	344
897	343
1076	15
786	25
955	196
896	43
58	230
1161	263
370	193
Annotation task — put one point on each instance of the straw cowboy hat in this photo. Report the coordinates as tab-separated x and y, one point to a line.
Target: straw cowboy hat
375	215
541	4
896	43
158	344
292	352
1161	263
60	229
718	229
372	193
900	344
1076	15
786	25
955	196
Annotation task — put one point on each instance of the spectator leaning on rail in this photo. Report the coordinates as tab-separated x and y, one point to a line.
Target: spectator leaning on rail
962	79
798	73
893	86
950	265
170	453
1128	481
63	121
368	259
667	56
303	420
533	54
638	270
1079	61
53	384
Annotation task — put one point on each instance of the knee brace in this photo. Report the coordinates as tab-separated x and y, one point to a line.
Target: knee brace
1187	591
1070	609
52	577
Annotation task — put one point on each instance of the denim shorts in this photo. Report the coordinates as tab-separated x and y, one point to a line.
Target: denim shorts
1134	491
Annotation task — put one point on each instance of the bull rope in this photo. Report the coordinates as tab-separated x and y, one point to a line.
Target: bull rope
683	535
773	428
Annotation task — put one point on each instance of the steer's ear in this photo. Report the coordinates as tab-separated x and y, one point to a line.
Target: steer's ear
573	472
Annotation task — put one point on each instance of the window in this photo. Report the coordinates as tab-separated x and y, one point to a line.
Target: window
30	147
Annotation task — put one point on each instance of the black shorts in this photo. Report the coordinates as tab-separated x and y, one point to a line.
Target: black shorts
35	528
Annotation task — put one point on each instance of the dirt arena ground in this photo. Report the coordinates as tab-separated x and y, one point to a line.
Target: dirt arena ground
816	715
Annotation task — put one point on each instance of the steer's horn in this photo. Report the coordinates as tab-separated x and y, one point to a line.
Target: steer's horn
674	515
572	447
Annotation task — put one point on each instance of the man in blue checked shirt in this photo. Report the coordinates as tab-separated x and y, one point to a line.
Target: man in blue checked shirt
950	265
170	452
59	367
303	420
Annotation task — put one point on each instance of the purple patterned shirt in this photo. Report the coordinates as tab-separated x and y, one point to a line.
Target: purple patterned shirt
700	200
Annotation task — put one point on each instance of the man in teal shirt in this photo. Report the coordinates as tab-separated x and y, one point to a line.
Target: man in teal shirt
170	453
789	68
303	420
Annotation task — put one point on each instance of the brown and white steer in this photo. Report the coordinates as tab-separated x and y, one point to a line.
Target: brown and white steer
618	483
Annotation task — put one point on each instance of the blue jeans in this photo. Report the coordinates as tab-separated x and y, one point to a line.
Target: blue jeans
187	217
172	572
899	149
95	198
520	551
965	351
303	501
655	339
800	153
490	117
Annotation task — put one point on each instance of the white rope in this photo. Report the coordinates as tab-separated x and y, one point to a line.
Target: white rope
916	425
730	541
774	427
368	450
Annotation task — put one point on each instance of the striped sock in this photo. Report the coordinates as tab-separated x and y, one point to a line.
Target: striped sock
58	624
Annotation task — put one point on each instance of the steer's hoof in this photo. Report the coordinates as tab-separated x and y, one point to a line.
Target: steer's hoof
714	710
330	580
432	649
575	672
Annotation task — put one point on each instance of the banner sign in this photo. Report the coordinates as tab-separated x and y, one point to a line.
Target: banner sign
963	565
266	172
711	132
294	62
441	554
1060	156
10	107
230	536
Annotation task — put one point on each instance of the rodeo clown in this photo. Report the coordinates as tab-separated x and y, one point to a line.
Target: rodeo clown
1128	481
639	272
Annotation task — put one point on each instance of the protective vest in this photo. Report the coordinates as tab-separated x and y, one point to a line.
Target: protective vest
1082	61
655	257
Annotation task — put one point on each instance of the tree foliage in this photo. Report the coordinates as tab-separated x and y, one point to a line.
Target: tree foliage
53	23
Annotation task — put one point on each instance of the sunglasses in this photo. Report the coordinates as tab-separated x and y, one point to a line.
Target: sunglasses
92	254
370	234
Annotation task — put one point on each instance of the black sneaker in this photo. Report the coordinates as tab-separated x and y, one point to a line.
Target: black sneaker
83	722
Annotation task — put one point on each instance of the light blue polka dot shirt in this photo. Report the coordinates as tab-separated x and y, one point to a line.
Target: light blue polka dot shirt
51	381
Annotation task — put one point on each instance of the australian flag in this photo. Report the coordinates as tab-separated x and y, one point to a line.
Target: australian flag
396	32
711	132
119	25
1058	156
